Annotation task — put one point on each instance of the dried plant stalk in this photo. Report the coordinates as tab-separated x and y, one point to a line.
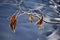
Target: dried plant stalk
41	27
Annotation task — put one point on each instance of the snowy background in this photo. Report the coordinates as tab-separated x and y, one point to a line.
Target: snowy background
24	29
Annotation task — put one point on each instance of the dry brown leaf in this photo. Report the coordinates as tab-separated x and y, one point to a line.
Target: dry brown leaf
13	23
40	21
31	19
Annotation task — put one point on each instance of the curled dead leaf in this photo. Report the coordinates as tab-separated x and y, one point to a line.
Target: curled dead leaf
40	21
31	19
13	23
